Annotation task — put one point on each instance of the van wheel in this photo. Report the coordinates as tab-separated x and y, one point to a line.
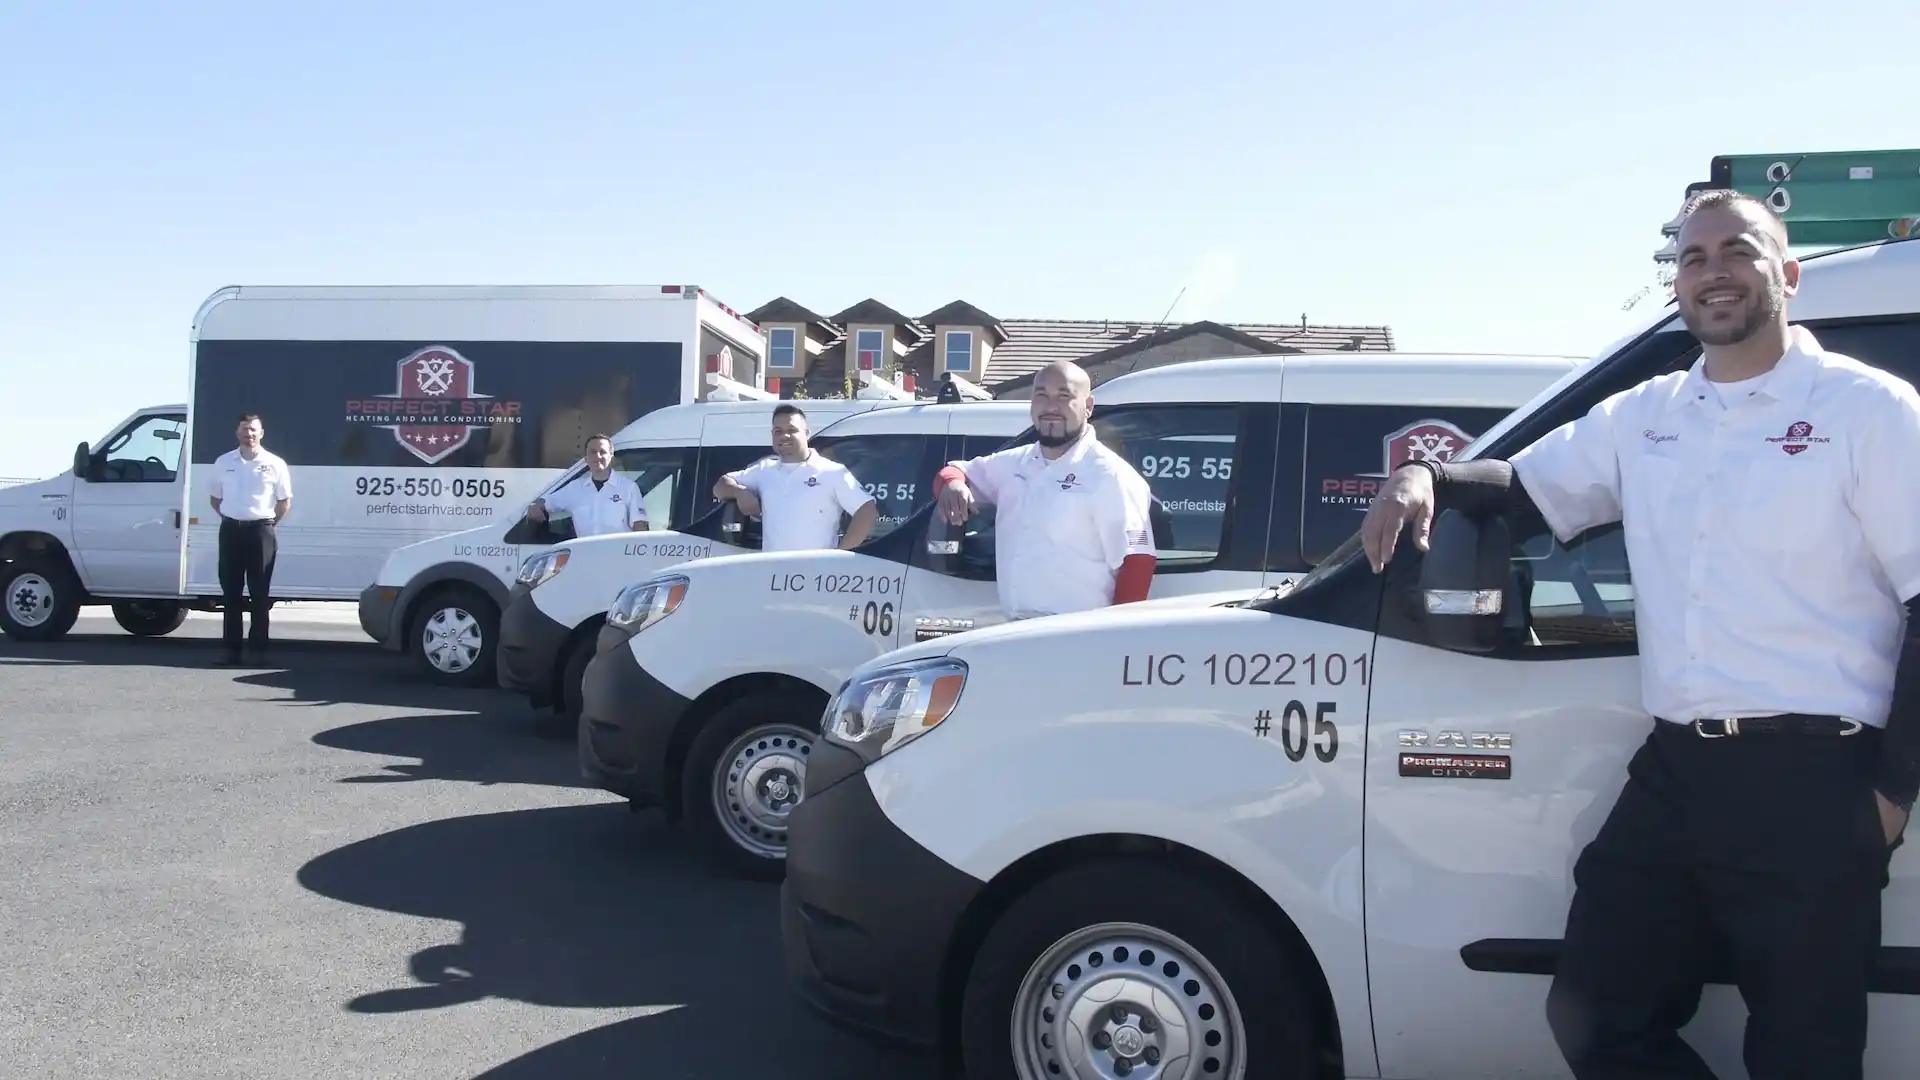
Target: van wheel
742	779
39	599
149	618
1129	964
453	637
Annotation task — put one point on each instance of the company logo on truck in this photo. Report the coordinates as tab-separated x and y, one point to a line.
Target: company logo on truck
435	407
1422	440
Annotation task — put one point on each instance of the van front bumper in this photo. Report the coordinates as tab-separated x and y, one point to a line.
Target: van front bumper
627	719
530	644
378	605
867	915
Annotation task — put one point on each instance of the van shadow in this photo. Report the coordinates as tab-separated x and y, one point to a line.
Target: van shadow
589	907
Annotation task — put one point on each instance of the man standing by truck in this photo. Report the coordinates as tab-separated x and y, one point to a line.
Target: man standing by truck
798	494
1072	531
252	491
601	502
1784	751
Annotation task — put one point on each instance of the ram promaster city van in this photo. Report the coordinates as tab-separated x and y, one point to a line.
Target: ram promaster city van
1329	832
402	412
707	689
552	621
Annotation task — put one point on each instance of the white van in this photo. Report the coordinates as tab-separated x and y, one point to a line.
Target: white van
440	600
1259	466
401	411
1319	834
549	629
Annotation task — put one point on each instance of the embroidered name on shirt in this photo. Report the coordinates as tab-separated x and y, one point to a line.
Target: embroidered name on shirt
1655	437
1798	437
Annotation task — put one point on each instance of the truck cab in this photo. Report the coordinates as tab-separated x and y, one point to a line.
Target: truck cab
108	527
1328	831
710	677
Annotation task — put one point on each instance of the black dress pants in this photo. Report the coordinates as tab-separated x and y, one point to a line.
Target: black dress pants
247	551
1760	856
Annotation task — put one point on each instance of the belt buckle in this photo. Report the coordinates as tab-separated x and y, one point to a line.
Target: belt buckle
1732	726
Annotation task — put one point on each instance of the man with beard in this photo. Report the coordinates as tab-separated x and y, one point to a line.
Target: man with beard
1773	532
1071	518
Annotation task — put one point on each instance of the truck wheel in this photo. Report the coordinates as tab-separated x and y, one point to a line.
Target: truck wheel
742	778
1128	964
39	599
149	618
453	637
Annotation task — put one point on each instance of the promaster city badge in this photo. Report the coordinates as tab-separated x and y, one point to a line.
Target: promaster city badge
1457	766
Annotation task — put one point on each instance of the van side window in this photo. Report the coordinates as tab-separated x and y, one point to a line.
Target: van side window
1351	449
715	462
1186	455
146	452
888	467
1577	594
657	472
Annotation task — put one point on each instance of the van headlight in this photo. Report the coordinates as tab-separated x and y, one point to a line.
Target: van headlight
640	606
541	568
885	709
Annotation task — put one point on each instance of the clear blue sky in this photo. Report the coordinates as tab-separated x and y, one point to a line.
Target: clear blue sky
1477	176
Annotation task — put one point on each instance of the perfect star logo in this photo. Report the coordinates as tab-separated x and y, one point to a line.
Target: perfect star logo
435	407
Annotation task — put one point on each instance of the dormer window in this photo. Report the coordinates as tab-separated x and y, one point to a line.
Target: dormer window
868	347
957	351
783	348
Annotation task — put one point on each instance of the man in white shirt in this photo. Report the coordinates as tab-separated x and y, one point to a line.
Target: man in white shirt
252	491
601	502
1772	525
1072	530
799	495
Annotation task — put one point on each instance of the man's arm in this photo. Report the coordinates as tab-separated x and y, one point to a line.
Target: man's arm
961	485
283	494
854	500
1885	503
1124	518
636	506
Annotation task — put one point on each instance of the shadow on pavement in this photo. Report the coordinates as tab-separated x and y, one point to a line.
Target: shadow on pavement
501	745
589	907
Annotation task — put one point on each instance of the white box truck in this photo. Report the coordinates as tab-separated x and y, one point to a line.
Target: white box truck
403	412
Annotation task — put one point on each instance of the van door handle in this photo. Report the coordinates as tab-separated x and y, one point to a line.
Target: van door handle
176	519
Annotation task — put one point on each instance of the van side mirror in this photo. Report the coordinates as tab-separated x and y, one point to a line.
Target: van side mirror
1463	581
962	551
83	461
737	528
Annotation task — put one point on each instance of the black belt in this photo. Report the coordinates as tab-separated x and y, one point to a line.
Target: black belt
245	521
1719	727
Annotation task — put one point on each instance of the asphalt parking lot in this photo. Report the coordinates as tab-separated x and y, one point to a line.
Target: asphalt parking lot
323	868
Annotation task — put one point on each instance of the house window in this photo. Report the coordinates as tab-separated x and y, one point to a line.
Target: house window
783	347
867	345
959	351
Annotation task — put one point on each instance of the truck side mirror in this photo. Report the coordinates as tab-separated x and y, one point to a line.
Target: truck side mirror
83	461
738	529
962	551
1463	581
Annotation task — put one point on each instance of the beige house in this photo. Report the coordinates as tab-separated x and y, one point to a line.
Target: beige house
814	356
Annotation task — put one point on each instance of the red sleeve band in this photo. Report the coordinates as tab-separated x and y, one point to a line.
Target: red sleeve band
1134	579
948	475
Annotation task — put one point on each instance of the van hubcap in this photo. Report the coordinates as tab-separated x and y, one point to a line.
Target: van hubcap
757	784
30	599
1125	1000
450	640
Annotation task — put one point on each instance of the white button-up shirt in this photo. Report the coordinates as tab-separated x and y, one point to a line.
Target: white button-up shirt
248	488
1773	536
1062	527
801	501
613	507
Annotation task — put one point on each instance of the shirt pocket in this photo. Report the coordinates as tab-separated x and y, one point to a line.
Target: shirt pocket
1789	502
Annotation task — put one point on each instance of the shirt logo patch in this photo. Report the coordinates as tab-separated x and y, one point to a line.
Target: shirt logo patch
1069	482
813	481
1798	437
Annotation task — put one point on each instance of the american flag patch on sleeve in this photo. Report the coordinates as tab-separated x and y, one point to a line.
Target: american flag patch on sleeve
1139	538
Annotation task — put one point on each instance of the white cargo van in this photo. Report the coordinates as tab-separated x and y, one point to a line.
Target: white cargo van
403	412
1321	834
551	622
711	676
440	601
